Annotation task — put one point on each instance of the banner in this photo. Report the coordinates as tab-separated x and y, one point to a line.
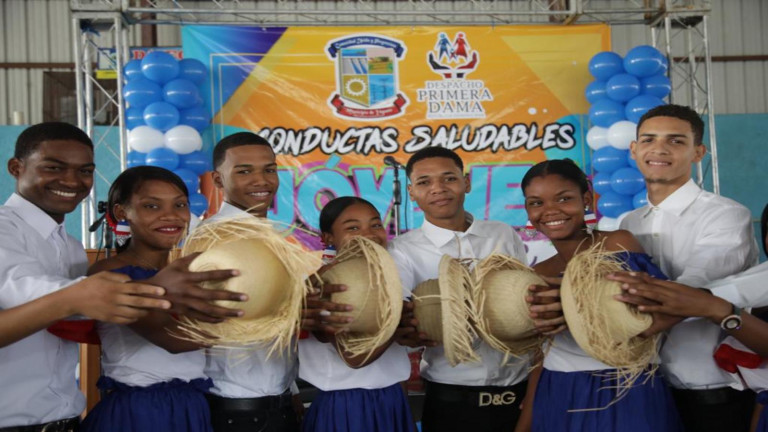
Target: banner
334	102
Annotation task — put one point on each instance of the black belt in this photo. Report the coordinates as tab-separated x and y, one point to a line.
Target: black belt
66	425
707	397
218	403
480	396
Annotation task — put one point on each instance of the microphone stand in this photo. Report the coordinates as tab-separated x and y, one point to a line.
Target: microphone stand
396	192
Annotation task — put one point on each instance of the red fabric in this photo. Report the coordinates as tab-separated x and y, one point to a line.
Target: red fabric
83	331
303	334
729	359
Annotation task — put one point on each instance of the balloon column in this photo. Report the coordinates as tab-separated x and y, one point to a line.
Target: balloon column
623	90
165	116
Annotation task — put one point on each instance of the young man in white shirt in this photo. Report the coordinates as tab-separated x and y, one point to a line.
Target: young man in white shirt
695	237
252	393
455	396
53	167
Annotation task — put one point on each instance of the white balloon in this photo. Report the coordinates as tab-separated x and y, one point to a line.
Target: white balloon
611	224
144	138
183	139
621	134
597	137
608	224
622	216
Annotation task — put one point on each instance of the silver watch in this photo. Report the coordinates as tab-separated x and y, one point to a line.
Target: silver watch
732	321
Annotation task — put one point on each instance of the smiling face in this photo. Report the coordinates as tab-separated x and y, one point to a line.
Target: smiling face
665	150
158	213
248	177
438	186
356	220
55	177
555	206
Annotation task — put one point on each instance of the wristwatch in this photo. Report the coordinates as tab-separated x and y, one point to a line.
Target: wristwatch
732	321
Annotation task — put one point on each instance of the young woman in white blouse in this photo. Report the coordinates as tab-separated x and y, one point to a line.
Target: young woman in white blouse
354	395
153	381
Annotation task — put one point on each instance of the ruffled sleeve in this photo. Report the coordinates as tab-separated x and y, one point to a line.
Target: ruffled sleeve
642	262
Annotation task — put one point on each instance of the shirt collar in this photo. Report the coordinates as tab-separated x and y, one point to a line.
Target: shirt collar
228	210
41	221
441	236
679	200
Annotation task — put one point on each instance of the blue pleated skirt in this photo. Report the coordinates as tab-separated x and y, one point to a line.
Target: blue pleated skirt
356	410
172	406
762	423
647	407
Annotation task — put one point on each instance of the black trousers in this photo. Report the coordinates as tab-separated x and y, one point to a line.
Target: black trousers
716	410
450	408
266	414
66	425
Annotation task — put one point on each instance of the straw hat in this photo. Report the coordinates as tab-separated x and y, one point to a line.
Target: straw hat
443	310
603	327
273	272
500	313
374	291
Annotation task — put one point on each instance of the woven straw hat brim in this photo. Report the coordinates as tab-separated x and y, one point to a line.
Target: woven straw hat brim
225	245
500	312
455	310
603	327
374	291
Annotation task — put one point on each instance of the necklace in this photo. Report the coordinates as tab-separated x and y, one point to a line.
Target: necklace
136	260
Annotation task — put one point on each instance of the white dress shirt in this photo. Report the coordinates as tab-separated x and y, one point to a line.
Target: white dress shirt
247	373
746	289
321	366
696	237
417	255
37	374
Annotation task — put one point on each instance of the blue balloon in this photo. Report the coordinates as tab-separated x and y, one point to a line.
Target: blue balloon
627	181
159	66
657	85
164	158
198	162
595	91
604	65
193	70
601	183
613	205
182	93
141	92
641	105
197	117
132	70
608	159
161	116
622	87
644	61
134	158
606	112
640	199
197	204
134	117
190	179
631	162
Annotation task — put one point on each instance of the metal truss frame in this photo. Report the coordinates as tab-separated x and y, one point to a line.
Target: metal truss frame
678	28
